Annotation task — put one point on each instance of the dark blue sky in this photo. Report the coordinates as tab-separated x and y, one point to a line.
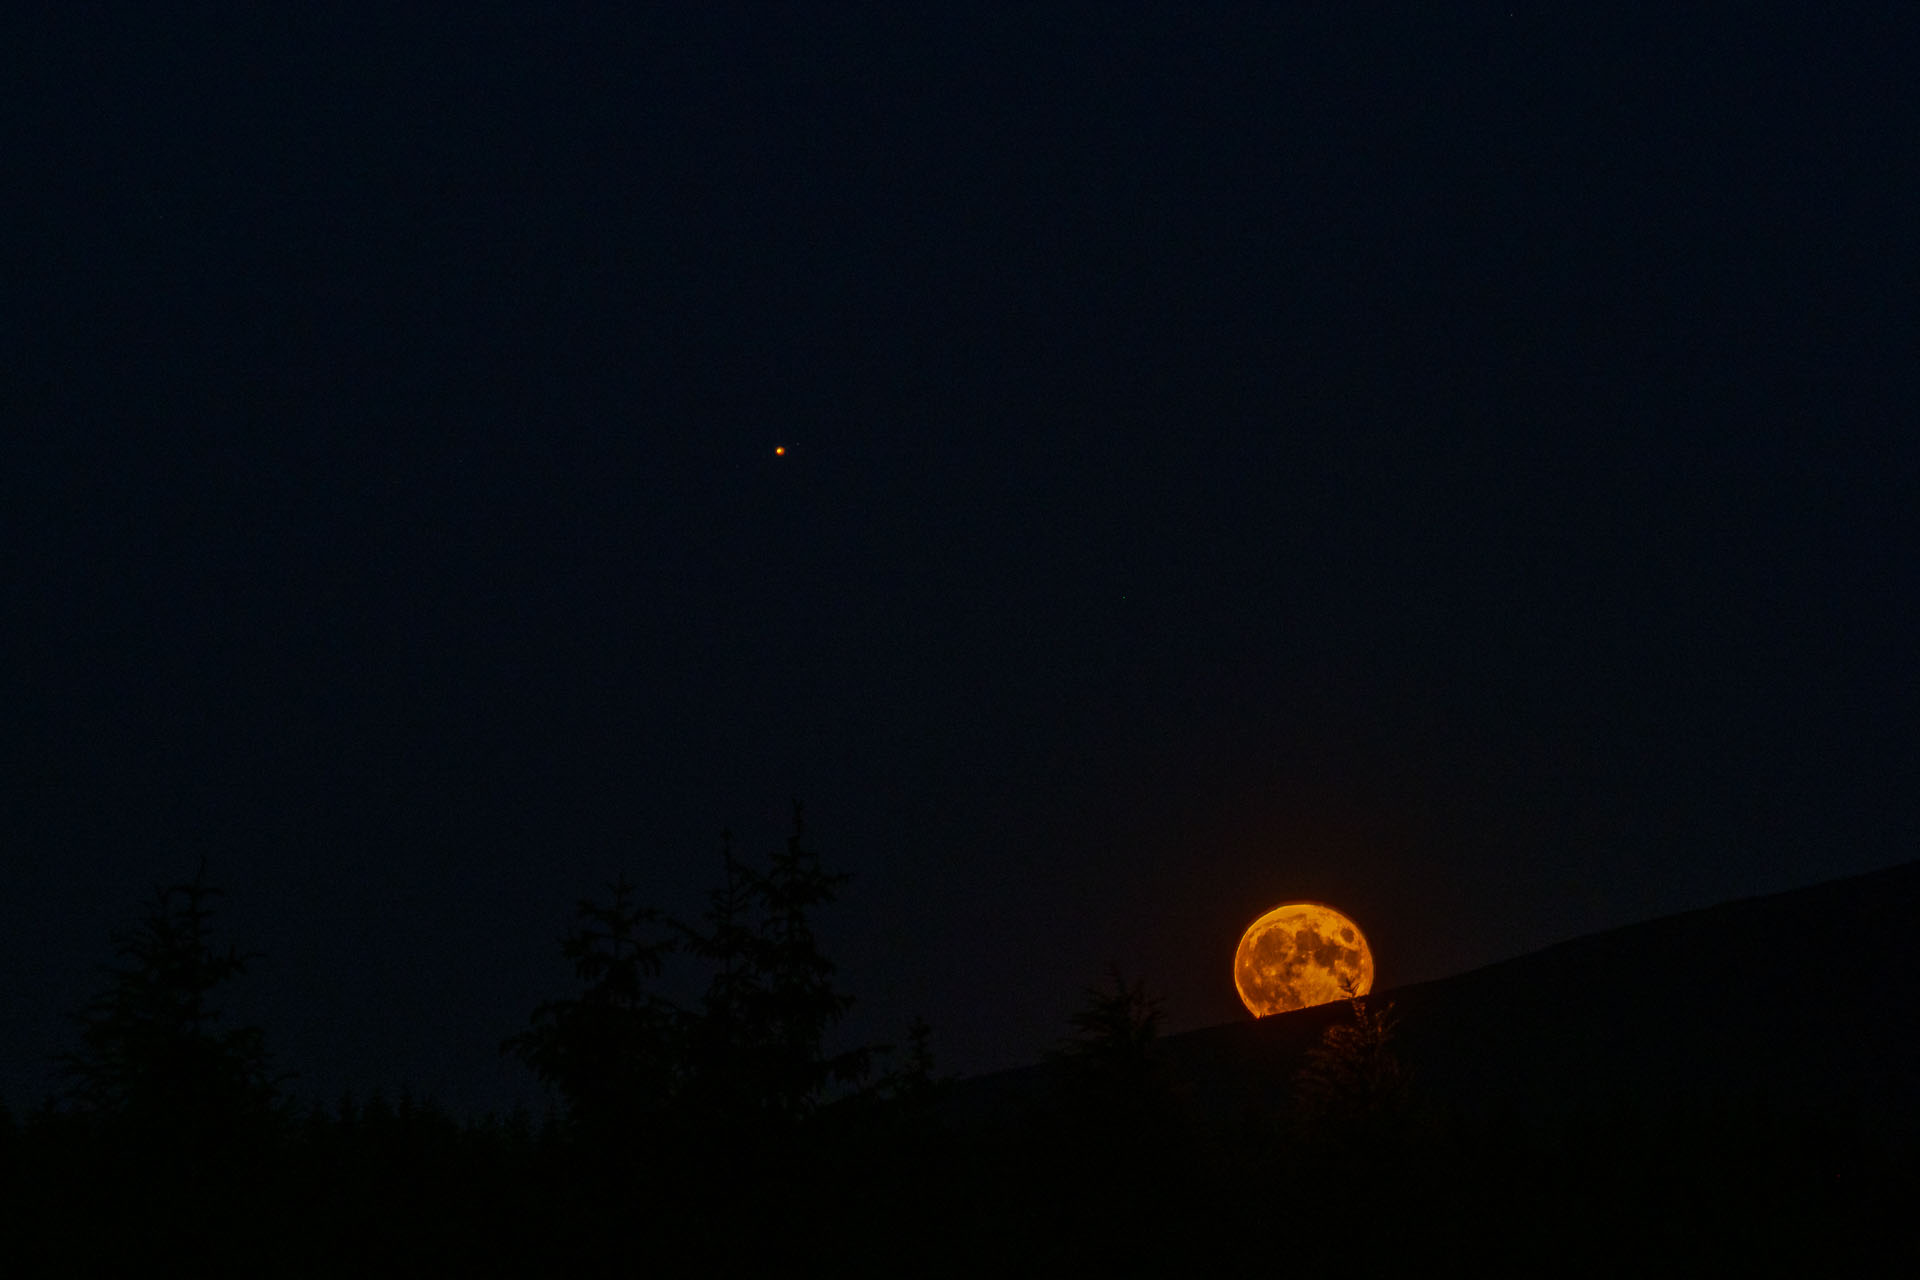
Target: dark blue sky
1456	465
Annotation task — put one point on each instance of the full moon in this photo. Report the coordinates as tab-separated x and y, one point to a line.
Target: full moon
1296	955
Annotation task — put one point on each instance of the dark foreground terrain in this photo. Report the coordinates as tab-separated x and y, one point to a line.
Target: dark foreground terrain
1717	1089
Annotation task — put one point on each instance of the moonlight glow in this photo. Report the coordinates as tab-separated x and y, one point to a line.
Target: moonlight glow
1296	955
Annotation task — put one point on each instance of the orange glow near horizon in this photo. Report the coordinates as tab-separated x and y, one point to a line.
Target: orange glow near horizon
1296	955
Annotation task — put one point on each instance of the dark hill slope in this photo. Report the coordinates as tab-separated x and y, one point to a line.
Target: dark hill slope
1802	1001
1804	998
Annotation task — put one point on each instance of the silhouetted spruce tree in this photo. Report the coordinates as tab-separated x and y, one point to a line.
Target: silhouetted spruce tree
1114	1116
903	1103
912	1083
1115	1025
794	1002
154	1057
719	1069
611	1052
1353	1080
1110	1054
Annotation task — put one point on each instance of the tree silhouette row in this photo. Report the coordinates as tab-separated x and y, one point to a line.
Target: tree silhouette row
752	1053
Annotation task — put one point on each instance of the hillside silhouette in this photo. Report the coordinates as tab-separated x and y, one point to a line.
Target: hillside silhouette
1734	1083
1728	1086
1800	998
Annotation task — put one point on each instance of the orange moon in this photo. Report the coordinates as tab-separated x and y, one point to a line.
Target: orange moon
1296	955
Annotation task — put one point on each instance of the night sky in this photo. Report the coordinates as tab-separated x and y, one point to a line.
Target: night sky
1457	462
